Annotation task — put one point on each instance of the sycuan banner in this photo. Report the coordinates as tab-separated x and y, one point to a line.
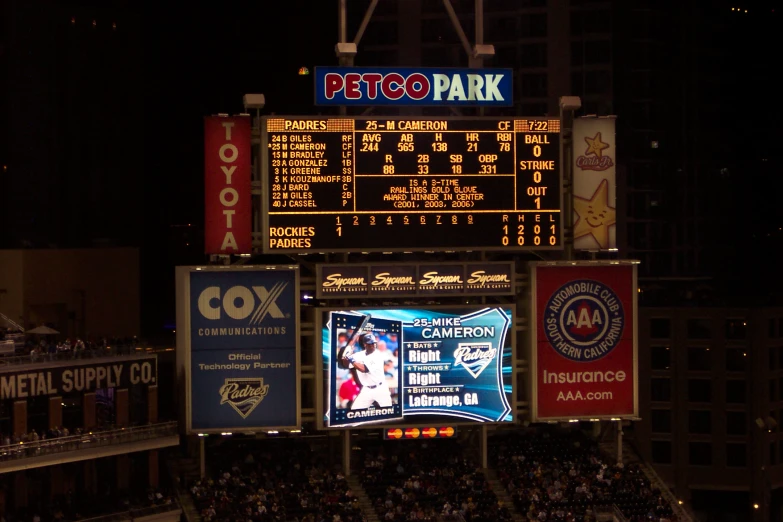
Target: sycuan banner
414	279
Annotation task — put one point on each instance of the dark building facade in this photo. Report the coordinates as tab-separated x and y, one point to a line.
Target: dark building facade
675	74
71	159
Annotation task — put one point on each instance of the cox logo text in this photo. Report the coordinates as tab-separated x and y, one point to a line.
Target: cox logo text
241	302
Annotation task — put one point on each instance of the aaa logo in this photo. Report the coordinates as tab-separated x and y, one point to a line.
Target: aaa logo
584	320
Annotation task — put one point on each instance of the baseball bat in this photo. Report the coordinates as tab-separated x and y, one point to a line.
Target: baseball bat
365	319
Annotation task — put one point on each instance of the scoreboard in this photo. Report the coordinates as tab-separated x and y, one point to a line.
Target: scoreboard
394	184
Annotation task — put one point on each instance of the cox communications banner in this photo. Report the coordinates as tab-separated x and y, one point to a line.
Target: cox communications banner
244	354
227	205
416	366
407	86
584	358
595	158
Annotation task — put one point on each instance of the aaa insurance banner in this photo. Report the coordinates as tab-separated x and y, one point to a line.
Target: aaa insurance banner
584	353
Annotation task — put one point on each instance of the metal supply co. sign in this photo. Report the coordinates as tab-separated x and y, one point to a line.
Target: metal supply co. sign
414	279
124	373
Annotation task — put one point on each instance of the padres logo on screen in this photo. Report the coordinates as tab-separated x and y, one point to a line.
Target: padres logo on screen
243	394
584	320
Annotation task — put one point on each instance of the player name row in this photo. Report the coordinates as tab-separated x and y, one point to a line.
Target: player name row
437	197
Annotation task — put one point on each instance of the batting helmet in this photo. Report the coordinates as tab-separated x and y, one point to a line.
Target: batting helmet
369	338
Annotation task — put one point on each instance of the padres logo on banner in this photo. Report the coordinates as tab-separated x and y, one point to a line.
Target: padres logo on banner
584	320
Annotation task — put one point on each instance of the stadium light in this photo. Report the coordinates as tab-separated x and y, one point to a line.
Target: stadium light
570	103
345	50
254	101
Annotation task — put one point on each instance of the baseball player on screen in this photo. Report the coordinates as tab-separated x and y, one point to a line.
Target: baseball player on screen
369	368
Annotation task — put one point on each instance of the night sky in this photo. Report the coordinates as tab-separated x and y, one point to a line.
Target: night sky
200	61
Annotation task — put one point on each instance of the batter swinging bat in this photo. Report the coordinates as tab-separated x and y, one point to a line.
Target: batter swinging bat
365	319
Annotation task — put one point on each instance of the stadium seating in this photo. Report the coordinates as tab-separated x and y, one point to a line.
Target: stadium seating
563	477
417	480
275	482
72	507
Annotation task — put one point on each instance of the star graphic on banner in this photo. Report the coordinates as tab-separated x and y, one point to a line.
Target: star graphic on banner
595	145
595	215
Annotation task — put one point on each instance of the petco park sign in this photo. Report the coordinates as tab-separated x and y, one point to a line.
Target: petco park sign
421	86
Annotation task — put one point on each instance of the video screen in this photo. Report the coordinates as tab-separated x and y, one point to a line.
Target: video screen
416	366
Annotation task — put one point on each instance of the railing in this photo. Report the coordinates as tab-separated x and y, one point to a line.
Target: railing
38	358
683	514
611	511
134	513
89	440
7	347
10	322
453	517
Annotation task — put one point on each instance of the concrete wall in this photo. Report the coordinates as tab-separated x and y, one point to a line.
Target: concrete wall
12	284
80	292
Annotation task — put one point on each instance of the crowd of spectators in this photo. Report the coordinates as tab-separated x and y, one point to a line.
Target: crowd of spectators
564	478
281	481
54	440
43	348
33	436
72	507
418	480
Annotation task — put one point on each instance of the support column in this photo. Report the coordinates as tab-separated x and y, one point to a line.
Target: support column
57	487
347	453
619	442
55	412
88	411
20	418
123	472
154	468
152	404
484	447
121	408
90	477
202	456
20	490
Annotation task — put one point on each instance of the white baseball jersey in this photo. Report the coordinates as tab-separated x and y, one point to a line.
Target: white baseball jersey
374	363
373	381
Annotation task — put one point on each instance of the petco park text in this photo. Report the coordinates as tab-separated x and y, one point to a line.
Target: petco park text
404	86
417	86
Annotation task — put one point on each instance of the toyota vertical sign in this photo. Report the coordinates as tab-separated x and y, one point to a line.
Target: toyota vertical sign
584	351
419	86
240	345
227	206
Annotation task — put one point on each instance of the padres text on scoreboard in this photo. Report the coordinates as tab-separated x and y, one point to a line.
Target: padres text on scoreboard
395	184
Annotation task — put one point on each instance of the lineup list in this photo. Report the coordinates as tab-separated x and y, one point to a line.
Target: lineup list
330	180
